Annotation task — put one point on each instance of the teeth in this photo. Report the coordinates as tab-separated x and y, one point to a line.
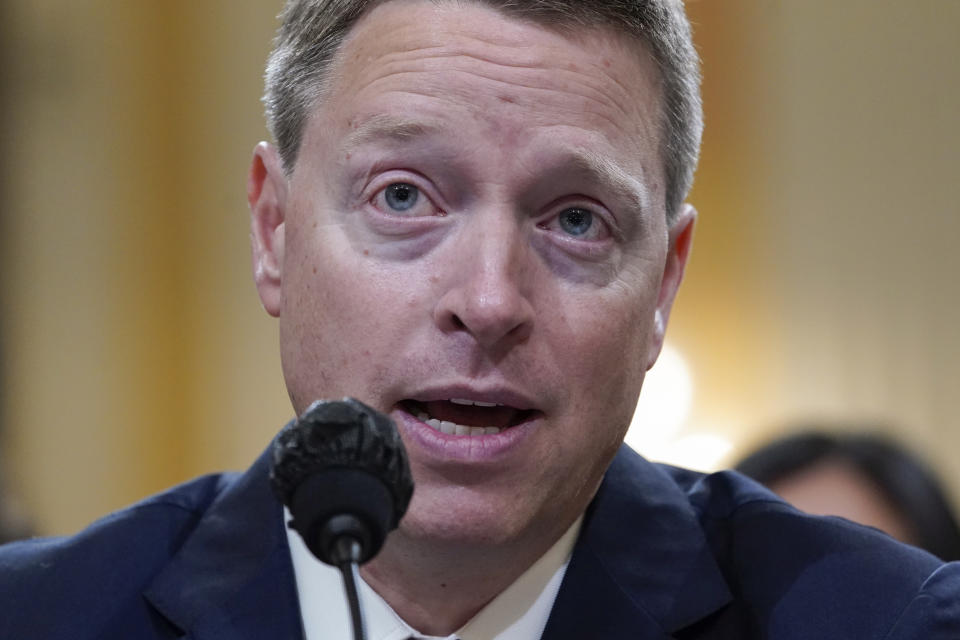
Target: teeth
452	428
472	403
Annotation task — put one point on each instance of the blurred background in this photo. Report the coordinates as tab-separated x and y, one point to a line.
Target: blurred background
134	350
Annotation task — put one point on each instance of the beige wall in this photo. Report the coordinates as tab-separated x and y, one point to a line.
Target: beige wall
135	351
832	133
136	354
867	148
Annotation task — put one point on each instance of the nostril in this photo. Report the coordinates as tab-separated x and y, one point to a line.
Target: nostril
487	318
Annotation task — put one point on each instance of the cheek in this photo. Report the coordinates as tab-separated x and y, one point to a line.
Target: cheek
605	335
321	323
607	360
345	319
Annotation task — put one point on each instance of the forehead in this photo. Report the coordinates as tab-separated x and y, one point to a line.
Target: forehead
444	63
601	65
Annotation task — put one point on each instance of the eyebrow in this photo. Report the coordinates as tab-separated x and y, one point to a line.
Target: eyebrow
388	127
610	176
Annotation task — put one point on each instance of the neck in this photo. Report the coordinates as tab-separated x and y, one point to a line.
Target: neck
437	588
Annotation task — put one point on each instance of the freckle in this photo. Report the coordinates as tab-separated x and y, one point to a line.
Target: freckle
434	279
314	271
366	252
443	585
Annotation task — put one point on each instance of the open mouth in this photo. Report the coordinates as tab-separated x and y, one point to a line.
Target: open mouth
460	417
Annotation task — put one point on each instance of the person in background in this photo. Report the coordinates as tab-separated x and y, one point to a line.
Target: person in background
864	476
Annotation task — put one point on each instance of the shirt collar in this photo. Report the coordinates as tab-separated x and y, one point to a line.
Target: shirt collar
519	612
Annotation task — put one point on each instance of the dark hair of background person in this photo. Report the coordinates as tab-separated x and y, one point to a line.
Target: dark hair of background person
905	480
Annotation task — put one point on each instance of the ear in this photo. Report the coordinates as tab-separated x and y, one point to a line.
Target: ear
267	197
680	238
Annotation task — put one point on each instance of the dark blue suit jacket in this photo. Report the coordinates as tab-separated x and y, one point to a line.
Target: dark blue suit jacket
663	553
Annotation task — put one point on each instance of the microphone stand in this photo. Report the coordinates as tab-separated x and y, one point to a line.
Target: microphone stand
346	554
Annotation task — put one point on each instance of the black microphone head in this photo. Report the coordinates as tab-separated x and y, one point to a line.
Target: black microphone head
341	469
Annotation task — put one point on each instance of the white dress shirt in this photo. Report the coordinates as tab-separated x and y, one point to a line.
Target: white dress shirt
520	612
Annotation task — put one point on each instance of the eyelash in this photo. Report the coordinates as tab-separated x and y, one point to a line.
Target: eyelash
378	199
600	219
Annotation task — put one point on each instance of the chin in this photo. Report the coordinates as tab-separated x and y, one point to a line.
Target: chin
460	519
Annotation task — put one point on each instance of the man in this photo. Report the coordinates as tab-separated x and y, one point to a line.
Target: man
473	220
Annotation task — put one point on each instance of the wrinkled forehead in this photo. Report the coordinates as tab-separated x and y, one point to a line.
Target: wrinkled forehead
574	28
466	60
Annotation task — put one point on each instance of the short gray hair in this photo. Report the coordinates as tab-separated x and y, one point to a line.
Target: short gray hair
313	30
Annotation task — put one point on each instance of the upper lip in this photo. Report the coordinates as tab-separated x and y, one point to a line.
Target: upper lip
497	394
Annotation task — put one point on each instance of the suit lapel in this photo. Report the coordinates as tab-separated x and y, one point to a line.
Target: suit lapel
641	567
233	578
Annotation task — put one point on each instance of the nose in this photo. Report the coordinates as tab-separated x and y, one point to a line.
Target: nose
488	296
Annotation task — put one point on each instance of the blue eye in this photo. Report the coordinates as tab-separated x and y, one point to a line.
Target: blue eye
575	221
401	196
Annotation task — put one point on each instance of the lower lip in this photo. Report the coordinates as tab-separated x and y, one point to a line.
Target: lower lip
443	447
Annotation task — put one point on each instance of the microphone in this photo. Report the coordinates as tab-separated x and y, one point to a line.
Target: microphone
342	471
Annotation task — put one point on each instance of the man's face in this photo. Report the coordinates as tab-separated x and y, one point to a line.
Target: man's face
474	240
